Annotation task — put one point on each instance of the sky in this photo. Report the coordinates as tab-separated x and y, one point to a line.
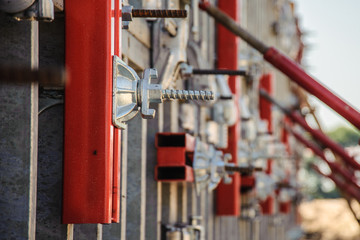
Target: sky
332	30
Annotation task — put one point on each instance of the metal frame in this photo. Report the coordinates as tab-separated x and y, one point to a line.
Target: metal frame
174	150
228	195
92	145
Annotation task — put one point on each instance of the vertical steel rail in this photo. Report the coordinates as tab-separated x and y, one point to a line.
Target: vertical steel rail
228	196
89	133
116	24
266	82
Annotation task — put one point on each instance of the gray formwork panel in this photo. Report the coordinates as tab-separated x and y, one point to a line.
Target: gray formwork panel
18	132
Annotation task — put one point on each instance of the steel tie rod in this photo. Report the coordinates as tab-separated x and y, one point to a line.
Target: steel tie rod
242	170
158	13
219	72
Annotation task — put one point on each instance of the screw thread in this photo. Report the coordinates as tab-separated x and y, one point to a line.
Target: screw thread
152	13
242	170
169	94
219	72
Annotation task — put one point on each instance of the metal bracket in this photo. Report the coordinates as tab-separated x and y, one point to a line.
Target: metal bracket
209	167
125	81
130	93
41	10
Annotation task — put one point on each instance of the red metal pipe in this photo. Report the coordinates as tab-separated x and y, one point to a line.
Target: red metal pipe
287	66
340	184
317	134
228	195
336	168
298	75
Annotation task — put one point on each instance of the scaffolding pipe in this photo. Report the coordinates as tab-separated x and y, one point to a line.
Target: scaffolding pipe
340	184
317	134
335	168
286	66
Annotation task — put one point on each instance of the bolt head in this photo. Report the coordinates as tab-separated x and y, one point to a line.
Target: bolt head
126	13
153	74
148	113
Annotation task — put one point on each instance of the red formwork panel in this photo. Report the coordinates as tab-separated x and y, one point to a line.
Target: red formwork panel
285	134
298	75
228	195
267	206
247	183
174	157
266	83
285	207
92	145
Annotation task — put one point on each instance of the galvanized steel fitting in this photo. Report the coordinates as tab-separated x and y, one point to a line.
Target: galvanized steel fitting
132	94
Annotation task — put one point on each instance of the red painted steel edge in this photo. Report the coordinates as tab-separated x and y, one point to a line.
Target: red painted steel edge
320	136
228	195
117	132
88	146
336	168
295	73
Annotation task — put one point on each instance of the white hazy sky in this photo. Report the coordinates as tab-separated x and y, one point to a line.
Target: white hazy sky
333	57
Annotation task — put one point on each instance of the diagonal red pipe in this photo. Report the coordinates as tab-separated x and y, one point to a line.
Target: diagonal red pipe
286	66
317	134
340	184
333	166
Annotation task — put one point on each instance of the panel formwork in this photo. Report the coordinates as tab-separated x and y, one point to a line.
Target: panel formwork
146	208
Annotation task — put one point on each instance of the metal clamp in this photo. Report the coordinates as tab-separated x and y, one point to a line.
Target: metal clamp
209	167
132	94
40	10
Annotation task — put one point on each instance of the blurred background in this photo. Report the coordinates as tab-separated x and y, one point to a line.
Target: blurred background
332	39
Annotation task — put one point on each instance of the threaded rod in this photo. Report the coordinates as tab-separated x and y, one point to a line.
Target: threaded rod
219	72
169	94
152	13
242	170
